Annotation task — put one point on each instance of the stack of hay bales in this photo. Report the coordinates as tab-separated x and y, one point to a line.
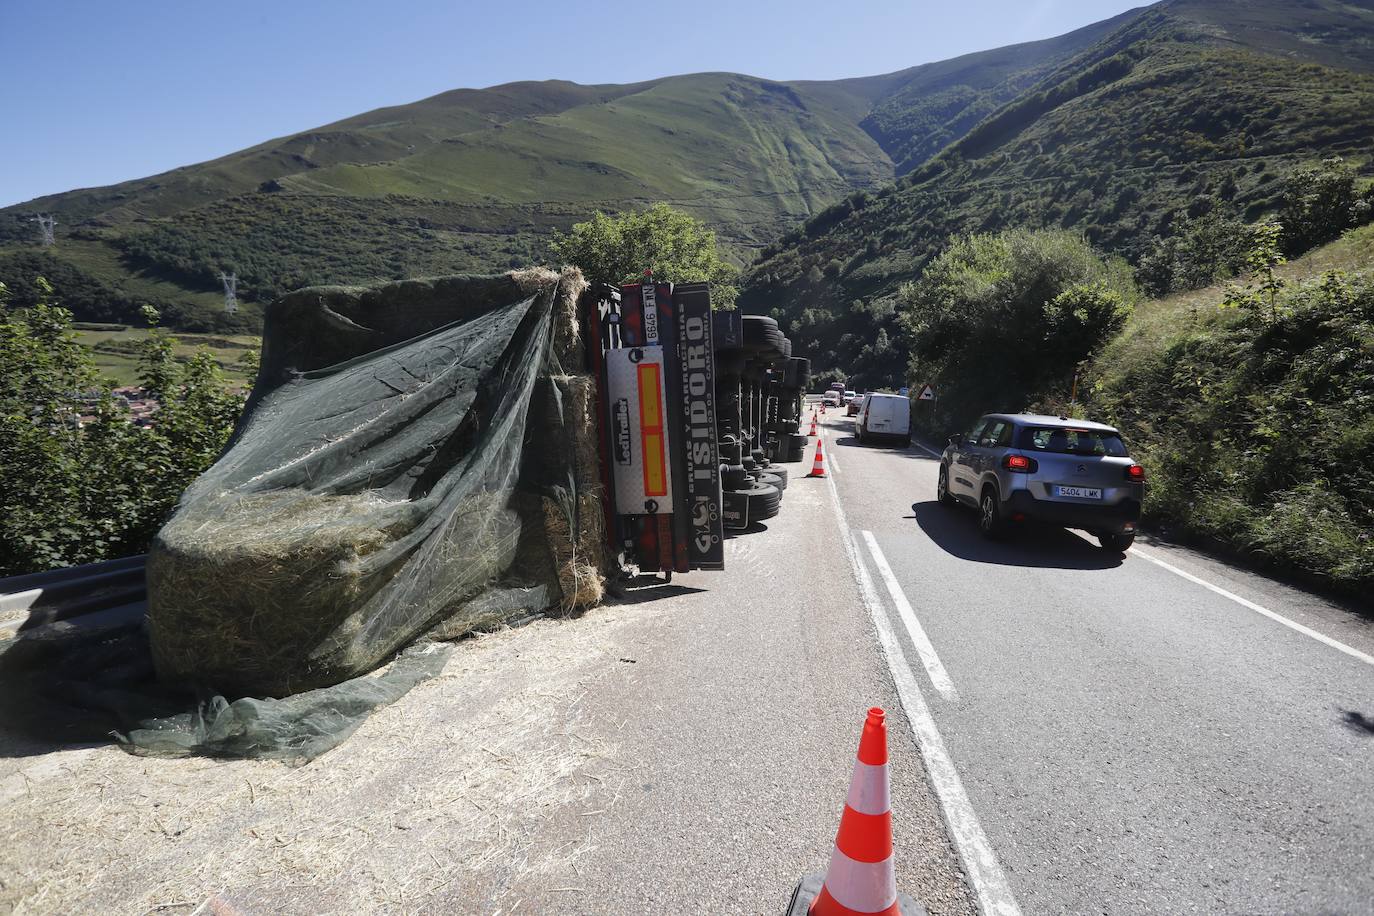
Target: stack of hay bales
418	457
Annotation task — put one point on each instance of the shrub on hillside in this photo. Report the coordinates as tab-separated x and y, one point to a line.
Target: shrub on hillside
1257	427
1319	203
997	321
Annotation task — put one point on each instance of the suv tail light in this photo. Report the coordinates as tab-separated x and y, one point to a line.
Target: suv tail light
1020	464
1135	473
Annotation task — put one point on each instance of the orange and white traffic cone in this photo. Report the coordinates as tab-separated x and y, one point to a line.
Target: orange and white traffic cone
818	466
813	425
861	880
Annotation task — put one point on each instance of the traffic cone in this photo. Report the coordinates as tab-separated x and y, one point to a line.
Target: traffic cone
818	466
860	880
813	425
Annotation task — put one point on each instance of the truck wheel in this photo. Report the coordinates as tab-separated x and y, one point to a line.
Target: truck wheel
780	473
764	502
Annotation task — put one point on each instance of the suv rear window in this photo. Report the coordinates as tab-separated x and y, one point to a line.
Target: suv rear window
1072	441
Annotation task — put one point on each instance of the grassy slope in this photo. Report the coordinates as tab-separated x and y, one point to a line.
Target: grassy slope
477	179
115	351
1155	321
468	180
1257	433
1118	143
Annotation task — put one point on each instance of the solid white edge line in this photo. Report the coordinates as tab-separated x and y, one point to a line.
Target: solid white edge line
984	872
939	677
1258	609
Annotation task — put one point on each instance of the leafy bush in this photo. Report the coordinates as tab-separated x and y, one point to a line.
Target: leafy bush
74	491
1319	203
999	320
1205	250
675	246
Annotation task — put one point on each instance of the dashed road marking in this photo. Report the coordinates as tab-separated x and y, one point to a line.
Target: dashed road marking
984	872
939	677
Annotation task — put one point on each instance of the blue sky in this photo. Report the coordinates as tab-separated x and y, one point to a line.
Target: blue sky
99	91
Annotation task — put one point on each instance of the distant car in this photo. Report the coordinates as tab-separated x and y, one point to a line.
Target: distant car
831	399
883	415
853	403
1025	467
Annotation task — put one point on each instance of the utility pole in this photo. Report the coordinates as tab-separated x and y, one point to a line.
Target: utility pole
46	224
231	291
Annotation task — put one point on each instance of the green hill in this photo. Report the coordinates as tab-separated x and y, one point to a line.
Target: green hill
1188	108
478	179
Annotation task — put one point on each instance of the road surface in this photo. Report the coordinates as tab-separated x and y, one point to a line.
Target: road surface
1134	735
1070	732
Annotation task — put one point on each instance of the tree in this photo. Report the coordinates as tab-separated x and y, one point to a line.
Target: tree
998	321
78	481
675	246
1319	203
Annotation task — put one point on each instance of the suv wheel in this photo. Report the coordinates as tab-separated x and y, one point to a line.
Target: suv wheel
990	514
1116	543
942	488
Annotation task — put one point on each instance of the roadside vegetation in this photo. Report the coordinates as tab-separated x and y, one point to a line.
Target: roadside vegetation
1252	406
79	482
997	321
674	245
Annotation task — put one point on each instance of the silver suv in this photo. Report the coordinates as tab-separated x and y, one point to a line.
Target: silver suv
1022	467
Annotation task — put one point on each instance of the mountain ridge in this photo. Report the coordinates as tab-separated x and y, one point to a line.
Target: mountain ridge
478	179
1162	120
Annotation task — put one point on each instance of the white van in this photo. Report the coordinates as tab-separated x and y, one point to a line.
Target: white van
886	415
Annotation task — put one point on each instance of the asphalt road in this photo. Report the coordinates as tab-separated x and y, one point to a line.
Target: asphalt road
1069	732
1130	739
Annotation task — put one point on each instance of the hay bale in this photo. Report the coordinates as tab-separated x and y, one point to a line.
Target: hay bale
575	537
286	590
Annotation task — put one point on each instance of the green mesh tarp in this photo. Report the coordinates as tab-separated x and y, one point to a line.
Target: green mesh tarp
391	478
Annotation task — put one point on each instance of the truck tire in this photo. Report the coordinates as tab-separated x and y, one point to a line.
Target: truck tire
735	477
779	472
764	502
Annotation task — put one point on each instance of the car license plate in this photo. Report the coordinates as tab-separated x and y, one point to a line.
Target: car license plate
1078	492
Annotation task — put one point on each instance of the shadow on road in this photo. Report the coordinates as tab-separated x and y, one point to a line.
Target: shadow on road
754	528
893	447
955	530
1358	722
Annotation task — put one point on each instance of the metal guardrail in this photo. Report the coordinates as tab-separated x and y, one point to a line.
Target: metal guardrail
38	599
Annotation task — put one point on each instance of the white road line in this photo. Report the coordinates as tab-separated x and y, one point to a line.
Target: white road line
939	677
1291	624
984	872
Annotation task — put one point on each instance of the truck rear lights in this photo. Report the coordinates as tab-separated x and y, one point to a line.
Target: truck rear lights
1020	464
1135	473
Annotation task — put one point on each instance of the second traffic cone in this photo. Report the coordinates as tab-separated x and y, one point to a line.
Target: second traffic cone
818	466
813	425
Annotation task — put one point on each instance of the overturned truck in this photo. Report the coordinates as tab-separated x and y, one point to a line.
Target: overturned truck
433	457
